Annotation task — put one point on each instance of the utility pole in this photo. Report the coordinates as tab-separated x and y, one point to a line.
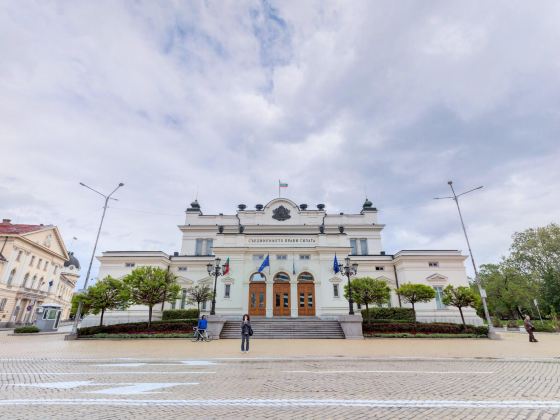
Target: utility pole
80	304
455	197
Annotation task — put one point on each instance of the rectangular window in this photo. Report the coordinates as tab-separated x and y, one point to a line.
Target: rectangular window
198	249
3	304
302	300
286	300
354	247
282	257
46	266
55	269
183	298
204	305
310	300
129	264
209	246
32	260
227	290
335	290
439	297
39	263
433	264
305	257
19	255
182	268
379	268
363	246
277	300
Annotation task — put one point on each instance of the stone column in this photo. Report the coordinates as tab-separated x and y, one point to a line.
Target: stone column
269	298
294	299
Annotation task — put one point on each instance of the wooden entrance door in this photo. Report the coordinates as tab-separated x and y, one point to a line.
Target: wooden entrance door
306	299
281	302
257	299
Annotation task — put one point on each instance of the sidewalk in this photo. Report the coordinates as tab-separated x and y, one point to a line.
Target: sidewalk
512	345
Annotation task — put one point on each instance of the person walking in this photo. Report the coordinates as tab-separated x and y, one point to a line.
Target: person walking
530	328
246	332
201	328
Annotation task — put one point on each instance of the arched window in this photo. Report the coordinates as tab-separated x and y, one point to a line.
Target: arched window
281	277
41	283
25	280
305	276
11	277
258	277
33	282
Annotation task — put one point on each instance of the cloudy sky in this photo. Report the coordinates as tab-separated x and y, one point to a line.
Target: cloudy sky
223	98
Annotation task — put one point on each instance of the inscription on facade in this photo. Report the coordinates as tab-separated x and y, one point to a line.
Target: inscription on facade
282	241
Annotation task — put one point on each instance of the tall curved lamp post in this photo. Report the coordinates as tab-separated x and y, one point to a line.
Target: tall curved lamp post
107	198
349	270
216	270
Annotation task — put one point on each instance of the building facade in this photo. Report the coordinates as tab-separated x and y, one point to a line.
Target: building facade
35	268
301	244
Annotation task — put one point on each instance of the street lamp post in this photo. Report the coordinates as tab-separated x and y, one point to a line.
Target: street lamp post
482	292
107	198
216	270
349	270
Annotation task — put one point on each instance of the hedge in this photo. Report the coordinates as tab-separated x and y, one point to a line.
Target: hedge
141	335
408	335
421	327
183	326
179	314
27	329
403	314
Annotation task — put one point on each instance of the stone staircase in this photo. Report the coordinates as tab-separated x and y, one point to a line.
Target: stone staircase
285	328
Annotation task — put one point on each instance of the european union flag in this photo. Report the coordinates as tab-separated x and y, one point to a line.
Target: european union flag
336	268
265	263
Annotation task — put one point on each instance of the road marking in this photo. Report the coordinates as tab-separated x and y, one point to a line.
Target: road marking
198	362
141	388
515	404
392	371
122	364
59	385
124	372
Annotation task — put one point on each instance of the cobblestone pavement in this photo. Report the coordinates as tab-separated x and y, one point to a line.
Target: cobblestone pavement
45	377
278	388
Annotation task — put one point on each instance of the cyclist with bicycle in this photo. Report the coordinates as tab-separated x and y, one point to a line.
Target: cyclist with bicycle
201	328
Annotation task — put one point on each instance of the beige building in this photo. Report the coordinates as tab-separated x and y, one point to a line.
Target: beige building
35	268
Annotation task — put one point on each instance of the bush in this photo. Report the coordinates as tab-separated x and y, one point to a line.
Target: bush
512	323
544	326
142	335
423	328
402	314
179	314
407	335
26	330
183	326
497	322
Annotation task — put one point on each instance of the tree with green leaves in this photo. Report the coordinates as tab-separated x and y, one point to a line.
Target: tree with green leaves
109	293
416	293
510	291
366	291
86	304
460	297
198	294
150	286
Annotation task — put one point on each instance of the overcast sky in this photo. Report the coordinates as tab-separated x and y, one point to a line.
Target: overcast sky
338	99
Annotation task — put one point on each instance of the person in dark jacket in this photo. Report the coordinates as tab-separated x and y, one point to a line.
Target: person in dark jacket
530	328
246	332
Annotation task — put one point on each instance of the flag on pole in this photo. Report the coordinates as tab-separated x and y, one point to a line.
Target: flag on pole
336	268
226	267
282	184
265	263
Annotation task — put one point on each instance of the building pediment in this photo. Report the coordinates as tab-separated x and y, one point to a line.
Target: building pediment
437	277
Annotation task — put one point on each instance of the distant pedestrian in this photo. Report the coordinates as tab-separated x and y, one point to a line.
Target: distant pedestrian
201	328
246	332
530	328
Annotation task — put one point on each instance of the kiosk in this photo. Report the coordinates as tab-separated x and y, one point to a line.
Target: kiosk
48	317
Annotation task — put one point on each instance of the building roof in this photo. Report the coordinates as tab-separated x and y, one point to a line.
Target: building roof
7	228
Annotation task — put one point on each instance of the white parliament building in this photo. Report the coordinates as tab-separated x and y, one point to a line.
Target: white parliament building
301	243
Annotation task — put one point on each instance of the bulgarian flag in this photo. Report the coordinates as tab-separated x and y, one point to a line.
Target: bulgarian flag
226	267
282	184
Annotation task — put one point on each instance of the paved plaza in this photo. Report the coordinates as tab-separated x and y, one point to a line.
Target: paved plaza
49	378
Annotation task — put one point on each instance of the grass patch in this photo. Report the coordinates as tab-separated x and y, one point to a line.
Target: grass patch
407	335
136	336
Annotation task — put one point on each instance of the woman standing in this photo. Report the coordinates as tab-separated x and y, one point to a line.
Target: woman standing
246	331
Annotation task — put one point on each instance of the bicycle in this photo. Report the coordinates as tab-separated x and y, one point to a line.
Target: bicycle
200	336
